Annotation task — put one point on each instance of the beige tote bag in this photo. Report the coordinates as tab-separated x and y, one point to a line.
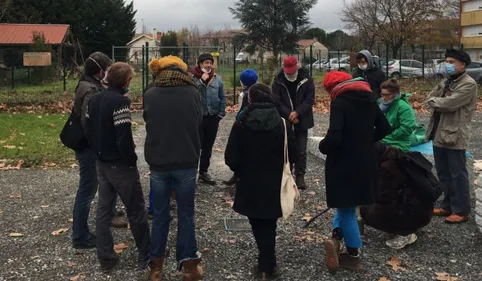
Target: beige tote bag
289	191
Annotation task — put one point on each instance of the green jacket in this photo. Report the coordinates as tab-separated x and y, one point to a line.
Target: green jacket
401	117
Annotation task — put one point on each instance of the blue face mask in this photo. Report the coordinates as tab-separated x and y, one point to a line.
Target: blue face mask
450	68
126	90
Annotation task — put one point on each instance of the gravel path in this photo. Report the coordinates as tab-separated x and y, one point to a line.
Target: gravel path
46	203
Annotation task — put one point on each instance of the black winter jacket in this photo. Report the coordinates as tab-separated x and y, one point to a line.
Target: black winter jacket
305	98
255	152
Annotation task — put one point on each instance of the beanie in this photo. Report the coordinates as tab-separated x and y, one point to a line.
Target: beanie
205	57
156	65
248	77
334	78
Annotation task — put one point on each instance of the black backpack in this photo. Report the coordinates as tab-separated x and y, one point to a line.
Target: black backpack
419	173
72	135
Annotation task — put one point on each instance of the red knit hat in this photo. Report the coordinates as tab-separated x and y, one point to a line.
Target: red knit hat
334	78
290	65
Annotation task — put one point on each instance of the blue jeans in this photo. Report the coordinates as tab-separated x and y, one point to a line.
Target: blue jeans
345	219
183	182
150	208
85	194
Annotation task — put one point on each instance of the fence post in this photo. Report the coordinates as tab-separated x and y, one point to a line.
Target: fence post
142	69
400	64
423	61
386	61
64	62
234	75
113	53
28	75
311	60
13	77
184	52
147	64
339	64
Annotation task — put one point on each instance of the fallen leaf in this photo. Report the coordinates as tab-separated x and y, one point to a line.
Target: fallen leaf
70	220
134	123
316	180
73	166
22	134
9	146
232	241
16	234
395	263
206	250
15	196
319	208
19	164
119	248
1	212
60	231
70	264
35	258
384	279
443	276
308	238
230	203
312	193
53	125
218	150
307	217
44	206
78	277
310	233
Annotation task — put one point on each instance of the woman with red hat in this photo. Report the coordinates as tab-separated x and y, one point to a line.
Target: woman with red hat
356	124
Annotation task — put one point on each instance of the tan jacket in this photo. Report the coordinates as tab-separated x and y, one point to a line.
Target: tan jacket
456	110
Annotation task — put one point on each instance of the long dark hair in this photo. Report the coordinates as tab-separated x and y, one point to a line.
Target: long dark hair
258	93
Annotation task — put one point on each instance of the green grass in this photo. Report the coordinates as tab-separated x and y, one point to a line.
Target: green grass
33	139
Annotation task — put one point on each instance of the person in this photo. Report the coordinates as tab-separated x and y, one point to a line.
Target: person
368	70
214	109
108	129
90	83
400	115
452	104
356	124
248	78
294	91
399	209
172	151
259	134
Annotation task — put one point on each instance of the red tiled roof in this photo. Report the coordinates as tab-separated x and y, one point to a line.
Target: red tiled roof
22	33
305	43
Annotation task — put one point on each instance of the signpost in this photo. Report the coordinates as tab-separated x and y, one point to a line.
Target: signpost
37	59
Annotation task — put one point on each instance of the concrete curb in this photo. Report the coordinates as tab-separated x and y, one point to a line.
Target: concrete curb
478	203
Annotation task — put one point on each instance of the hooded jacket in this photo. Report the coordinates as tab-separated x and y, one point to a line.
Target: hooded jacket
255	152
373	75
356	124
304	98
401	117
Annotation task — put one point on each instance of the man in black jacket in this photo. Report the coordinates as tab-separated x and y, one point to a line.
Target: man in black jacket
108	130
294	91
368	70
172	150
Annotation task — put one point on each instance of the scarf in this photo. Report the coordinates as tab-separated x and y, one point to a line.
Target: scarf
385	106
198	73
353	85
173	78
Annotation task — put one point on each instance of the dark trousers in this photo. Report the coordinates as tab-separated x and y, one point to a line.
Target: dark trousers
301	142
264	231
452	172
123	181
208	133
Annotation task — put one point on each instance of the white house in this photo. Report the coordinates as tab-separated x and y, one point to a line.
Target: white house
135	46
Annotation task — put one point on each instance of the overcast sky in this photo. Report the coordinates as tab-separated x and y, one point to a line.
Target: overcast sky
214	14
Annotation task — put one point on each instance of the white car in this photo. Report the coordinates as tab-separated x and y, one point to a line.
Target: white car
342	65
317	65
406	69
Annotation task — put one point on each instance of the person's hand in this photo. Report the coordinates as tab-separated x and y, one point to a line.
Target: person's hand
205	76
296	121
294	115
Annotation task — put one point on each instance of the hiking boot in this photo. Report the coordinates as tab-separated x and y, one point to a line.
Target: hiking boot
400	242
118	222
82	245
300	182
454	219
350	262
192	270
332	253
232	181
264	276
155	274
108	265
439	212
206	178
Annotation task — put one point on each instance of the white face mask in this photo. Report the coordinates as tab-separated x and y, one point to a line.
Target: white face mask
363	67
292	77
205	70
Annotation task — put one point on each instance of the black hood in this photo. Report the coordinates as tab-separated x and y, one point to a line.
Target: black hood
359	97
302	74
263	117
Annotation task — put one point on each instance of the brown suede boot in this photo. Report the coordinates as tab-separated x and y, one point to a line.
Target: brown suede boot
157	265
332	254
192	270
348	261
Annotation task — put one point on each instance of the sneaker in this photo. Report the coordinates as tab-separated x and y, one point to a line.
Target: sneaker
89	244
108	265
332	253
400	242
454	219
206	178
350	262
439	212
264	276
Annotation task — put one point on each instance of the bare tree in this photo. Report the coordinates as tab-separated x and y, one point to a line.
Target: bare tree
4	4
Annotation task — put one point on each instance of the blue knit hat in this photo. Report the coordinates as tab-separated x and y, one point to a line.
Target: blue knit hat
249	77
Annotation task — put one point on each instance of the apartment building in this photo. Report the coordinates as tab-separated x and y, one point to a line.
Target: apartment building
471	28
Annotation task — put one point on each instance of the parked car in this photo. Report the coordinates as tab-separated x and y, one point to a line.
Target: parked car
318	65
434	62
474	69
342	65
406	69
241	57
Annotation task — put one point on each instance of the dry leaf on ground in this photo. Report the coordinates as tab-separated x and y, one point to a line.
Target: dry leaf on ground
310	233
15	196
53	125
1	212
70	220
60	231
206	250
78	277
218	150
443	276
395	263
44	206
15	234
73	166
384	279
307	217
70	264
119	248
9	146
312	193
230	203
319	208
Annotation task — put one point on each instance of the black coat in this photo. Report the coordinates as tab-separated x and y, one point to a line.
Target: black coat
305	98
399	208
374	76
356	124
255	152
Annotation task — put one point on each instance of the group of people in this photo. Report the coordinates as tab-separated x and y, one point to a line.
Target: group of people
371	124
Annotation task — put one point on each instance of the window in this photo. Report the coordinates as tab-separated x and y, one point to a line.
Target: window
417	64
405	63
474	65
473	5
